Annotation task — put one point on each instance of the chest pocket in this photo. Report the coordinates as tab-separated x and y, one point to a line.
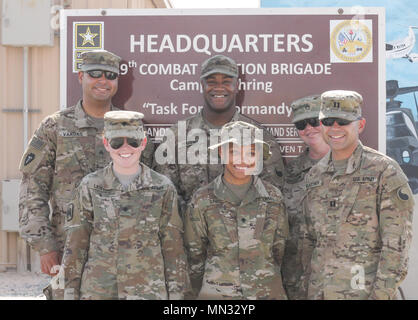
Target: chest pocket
105	212
139	216
222	226
364	207
71	161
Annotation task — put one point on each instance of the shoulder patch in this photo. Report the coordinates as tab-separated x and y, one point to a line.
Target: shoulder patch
70	212
29	158
37	143
32	156
403	193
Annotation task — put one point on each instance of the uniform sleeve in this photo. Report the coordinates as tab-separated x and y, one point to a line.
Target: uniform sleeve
175	260
164	162
195	238
395	209
308	243
292	268
273	168
147	156
79	222
282	233
37	166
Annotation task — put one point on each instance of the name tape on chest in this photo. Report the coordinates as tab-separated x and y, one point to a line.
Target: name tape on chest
313	184
365	179
66	133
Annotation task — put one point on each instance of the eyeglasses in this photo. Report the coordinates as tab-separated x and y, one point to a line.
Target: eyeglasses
328	122
301	125
116	143
98	74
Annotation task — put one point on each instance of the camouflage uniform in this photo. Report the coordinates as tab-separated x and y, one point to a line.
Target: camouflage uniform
189	177
66	147
125	243
293	193
235	244
359	223
235	251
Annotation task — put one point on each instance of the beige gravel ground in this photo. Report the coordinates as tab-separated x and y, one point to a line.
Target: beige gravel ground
22	286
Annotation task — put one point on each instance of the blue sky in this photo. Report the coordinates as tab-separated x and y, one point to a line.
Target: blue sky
400	14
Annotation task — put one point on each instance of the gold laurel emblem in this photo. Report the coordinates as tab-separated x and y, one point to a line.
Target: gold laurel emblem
351	41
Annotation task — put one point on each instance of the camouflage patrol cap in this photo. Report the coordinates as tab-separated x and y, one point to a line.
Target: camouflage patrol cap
243	134
123	124
341	104
306	108
100	60
219	64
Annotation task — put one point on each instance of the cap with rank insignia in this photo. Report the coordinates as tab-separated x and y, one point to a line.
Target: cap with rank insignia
306	108
100	60
341	104
123	124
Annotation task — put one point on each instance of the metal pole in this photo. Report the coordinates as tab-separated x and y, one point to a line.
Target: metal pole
25	97
25	125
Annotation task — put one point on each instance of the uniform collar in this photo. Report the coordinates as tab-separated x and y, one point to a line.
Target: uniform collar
203	122
82	120
305	161
256	190
143	180
353	161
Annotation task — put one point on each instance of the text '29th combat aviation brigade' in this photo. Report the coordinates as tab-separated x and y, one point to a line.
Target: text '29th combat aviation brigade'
87	36
351	41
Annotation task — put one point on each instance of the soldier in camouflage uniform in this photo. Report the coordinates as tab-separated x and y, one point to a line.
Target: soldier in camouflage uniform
358	210
305	118
236	226
219	78
66	146
124	231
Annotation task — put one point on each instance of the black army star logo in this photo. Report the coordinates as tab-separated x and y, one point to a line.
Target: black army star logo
29	158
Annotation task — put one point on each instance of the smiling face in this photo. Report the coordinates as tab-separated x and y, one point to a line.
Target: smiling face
343	140
240	163
97	89
312	136
219	92
126	158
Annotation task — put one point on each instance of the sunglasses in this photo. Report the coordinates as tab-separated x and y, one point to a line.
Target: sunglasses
301	125
116	143
328	122
109	75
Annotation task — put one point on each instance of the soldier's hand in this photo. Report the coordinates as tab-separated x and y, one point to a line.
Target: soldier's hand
49	260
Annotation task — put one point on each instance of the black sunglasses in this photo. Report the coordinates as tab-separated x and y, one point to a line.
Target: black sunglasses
116	143
98	74
301	125
328	122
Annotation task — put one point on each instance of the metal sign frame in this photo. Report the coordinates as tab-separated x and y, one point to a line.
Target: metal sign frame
378	11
